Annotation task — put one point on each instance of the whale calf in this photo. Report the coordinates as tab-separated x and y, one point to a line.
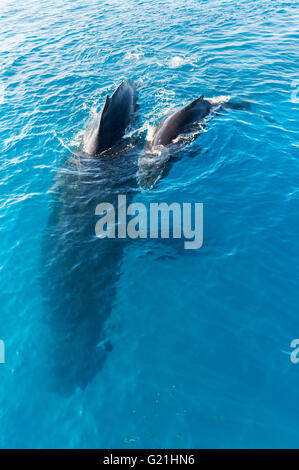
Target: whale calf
177	124
180	121
153	160
109	126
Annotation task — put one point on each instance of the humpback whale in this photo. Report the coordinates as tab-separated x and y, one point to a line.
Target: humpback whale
153	160
191	117
109	126
180	121
78	271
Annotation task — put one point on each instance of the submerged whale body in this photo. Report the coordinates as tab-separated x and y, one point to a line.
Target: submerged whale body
79	272
109	126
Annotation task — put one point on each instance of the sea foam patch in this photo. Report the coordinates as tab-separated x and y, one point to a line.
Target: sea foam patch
178	61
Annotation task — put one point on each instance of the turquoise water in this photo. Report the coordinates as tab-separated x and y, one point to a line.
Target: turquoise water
144	344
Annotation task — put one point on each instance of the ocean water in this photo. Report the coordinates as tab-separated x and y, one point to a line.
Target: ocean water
140	344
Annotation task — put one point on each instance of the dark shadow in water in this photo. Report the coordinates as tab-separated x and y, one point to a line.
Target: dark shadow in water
79	272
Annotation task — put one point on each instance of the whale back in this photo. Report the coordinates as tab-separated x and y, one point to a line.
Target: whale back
178	122
197	110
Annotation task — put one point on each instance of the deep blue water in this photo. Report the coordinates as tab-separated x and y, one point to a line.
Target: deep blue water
195	346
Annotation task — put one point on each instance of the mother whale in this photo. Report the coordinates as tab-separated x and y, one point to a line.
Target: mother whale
79	272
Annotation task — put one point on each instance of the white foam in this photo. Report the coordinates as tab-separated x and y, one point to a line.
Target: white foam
77	138
68	146
133	55
149	128
177	61
218	100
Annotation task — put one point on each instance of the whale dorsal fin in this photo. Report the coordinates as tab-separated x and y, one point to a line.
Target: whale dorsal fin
194	102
